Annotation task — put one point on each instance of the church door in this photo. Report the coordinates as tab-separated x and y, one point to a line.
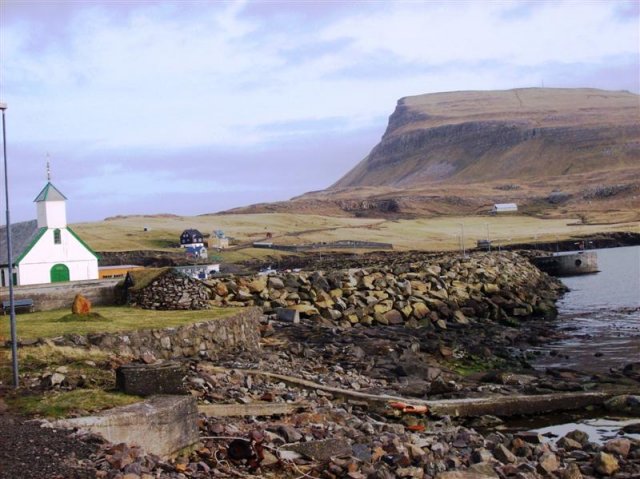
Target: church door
59	273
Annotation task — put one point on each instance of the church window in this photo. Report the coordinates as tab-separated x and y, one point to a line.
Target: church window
57	239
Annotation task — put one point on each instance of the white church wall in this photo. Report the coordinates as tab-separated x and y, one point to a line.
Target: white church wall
39	273
35	267
52	214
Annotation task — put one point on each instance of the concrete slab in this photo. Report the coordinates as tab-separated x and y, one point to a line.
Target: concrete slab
162	425
252	409
502	406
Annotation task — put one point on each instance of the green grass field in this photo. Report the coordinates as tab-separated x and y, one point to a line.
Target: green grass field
93	367
45	324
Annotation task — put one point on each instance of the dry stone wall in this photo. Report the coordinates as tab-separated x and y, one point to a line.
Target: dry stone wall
240	330
171	291
445	290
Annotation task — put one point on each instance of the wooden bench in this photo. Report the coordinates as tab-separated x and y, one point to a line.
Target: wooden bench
18	304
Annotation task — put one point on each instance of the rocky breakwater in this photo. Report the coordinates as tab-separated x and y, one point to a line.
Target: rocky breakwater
442	292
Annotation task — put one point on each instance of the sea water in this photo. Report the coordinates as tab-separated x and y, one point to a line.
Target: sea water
600	316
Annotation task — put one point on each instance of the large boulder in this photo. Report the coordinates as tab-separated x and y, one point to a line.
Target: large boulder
81	305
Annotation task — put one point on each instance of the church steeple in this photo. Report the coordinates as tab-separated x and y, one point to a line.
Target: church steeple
51	205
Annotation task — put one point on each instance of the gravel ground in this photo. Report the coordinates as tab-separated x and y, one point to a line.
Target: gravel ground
30	451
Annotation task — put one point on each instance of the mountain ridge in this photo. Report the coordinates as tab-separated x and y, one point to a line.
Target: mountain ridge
524	132
556	152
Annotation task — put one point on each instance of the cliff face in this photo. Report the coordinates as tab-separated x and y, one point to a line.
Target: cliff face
514	134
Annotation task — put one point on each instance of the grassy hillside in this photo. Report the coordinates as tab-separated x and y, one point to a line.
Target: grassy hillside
128	233
440	233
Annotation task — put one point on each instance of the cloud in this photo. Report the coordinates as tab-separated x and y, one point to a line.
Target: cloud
438	33
168	92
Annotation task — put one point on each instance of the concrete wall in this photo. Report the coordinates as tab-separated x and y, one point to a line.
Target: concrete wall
240	330
60	295
572	264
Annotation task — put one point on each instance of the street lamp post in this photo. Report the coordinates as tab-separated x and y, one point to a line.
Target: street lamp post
12	309
488	240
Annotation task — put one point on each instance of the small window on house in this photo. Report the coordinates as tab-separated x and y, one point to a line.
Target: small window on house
56	236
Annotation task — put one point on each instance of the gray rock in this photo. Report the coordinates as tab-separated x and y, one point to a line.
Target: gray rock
571	472
322	450
289	433
578	435
150	379
504	455
481	455
548	463
275	282
361	452
288	315
412	472
620	446
606	464
569	444
627	404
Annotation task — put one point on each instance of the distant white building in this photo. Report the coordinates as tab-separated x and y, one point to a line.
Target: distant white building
218	240
46	250
198	271
504	208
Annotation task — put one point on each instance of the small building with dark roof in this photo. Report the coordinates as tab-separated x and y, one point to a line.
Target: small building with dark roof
191	237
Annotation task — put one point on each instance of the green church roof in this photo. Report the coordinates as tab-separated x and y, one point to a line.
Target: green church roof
50	193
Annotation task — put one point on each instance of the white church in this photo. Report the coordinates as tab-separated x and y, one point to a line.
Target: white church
46	250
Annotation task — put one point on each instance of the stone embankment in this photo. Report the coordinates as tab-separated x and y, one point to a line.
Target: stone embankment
438	292
240	330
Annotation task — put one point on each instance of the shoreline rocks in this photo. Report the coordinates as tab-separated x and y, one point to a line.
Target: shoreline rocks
447	290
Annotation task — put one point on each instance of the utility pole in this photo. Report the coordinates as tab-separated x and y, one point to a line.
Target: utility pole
488	240
12	306
464	253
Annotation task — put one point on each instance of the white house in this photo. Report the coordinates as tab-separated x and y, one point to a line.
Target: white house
504	208
46	250
198	271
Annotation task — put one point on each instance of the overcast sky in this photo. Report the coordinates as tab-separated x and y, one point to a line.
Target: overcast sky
193	107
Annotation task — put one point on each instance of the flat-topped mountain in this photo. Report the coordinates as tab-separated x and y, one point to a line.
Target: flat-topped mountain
526	133
554	152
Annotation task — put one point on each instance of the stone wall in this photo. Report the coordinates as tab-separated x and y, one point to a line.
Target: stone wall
60	295
239	330
171	290
498	286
